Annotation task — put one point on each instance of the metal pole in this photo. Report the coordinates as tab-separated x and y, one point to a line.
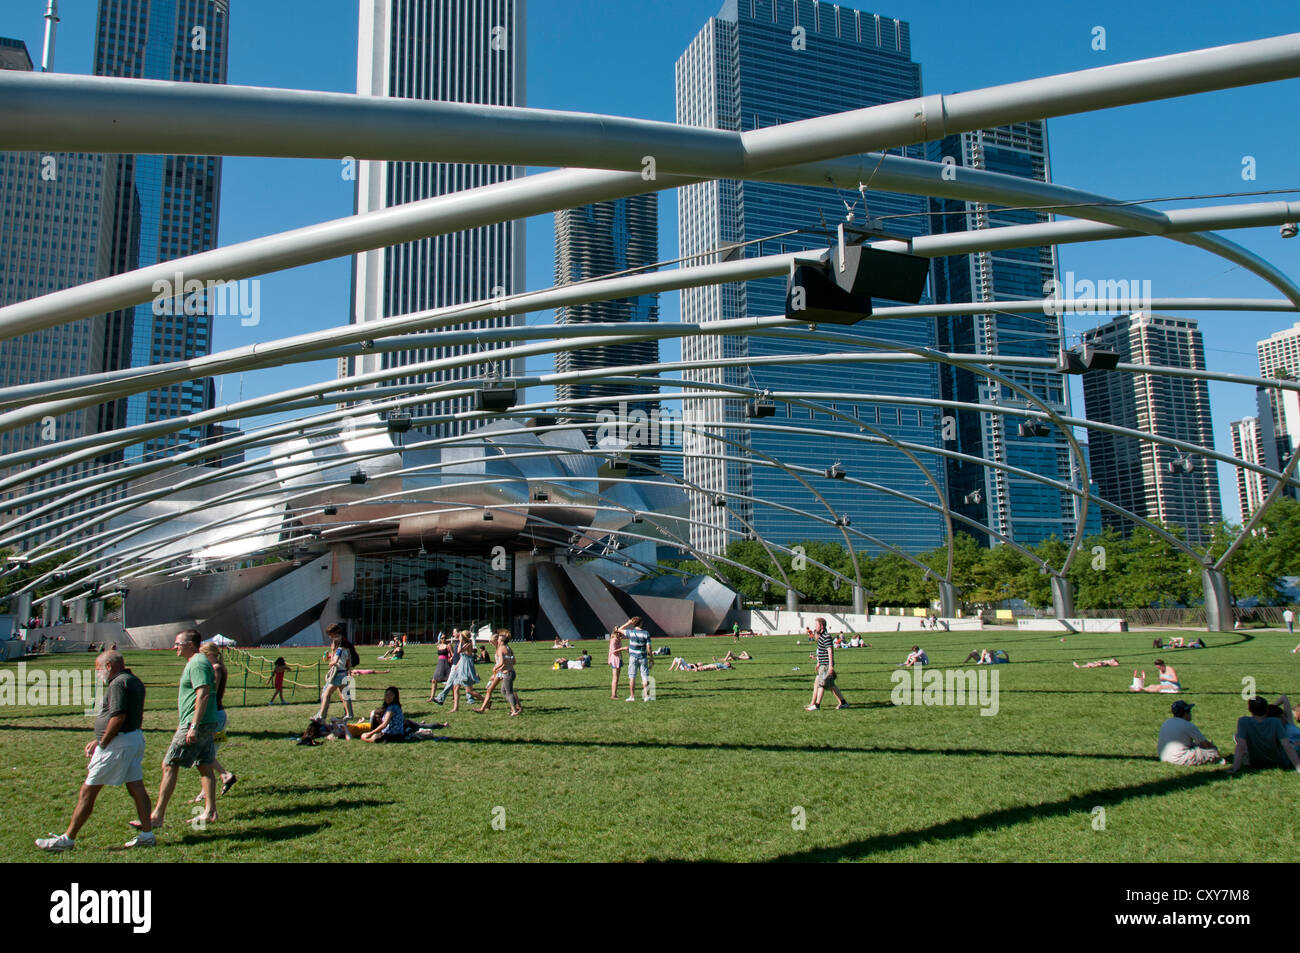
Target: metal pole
106	114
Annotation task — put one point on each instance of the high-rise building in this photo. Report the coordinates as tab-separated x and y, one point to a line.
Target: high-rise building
468	51
1248	445
1279	357
56	230
1021	509
1151	480
167	206
590	242
756	64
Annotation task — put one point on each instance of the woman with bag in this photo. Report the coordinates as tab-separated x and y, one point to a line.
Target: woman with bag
343	656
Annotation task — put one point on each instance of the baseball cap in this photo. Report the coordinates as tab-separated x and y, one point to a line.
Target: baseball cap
1181	707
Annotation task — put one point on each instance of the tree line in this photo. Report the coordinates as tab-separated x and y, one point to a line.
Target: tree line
1110	571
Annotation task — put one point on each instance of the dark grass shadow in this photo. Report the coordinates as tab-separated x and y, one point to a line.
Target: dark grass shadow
281	789
314	807
959	828
261	835
655	745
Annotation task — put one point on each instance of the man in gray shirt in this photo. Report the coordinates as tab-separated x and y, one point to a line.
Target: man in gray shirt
116	754
1181	742
1262	741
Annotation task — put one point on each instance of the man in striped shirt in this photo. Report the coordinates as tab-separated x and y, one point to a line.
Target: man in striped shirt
825	668
638	658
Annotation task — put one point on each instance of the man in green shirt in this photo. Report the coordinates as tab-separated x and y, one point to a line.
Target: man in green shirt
193	742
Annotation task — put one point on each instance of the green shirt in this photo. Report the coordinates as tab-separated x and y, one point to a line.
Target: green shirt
198	672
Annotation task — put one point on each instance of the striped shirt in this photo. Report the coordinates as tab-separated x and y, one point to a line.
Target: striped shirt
824	642
638	642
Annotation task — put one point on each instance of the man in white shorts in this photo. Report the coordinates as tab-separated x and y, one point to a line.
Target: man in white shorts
1181	742
116	755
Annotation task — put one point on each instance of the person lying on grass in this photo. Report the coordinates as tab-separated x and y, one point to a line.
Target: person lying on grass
681	665
1100	663
988	657
734	657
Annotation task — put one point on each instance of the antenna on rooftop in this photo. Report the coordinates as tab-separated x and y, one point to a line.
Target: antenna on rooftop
51	25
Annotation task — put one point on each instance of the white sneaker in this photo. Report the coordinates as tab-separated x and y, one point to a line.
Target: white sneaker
56	845
812	707
630	698
143	839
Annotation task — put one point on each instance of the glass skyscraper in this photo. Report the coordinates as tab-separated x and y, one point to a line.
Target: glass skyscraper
1021	509
592	241
56	229
468	51
1148	479
759	63
167	206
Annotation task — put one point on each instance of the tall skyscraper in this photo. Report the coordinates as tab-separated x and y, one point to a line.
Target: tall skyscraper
167	206
1279	357
56	231
468	51
1021	509
756	64
1248	445
592	241
1153	481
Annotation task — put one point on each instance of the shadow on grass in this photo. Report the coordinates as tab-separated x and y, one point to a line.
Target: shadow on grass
262	835
798	749
316	807
1005	818
277	789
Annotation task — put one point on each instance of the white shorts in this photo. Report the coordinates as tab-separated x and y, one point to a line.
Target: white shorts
120	763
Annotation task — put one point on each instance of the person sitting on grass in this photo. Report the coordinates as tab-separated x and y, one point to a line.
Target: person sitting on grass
387	724
1181	742
561	643
1100	663
916	657
394	654
1284	711
1261	742
734	657
1169	684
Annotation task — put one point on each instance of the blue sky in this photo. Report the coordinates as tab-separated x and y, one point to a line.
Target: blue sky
617	57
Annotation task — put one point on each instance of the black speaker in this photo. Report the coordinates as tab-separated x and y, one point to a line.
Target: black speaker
350	607
811	296
436	578
496	396
881	274
827	295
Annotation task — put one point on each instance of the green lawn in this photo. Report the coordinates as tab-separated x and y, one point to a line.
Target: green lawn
713	769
